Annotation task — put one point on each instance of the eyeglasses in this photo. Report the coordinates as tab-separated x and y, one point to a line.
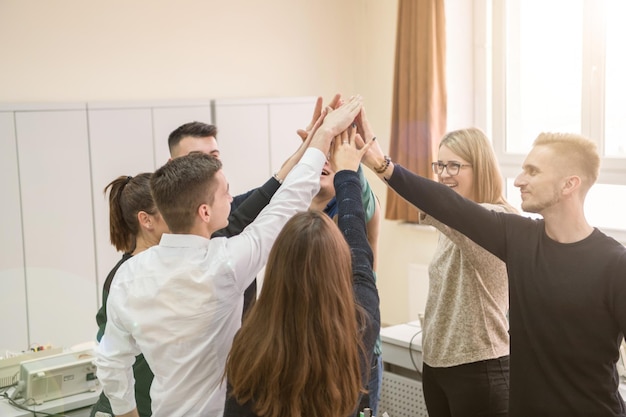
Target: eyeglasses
452	168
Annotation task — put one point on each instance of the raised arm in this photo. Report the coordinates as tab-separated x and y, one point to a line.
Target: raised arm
345	159
249	207
294	195
246	207
483	226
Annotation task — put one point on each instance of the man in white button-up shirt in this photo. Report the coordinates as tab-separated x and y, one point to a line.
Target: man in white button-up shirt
179	303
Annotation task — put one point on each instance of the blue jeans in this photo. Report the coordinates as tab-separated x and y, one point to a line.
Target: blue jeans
472	389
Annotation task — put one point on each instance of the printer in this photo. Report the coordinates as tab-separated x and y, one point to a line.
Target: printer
57	376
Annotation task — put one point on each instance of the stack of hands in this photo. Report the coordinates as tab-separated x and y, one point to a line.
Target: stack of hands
341	130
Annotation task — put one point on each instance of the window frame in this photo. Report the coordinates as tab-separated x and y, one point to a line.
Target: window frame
489	20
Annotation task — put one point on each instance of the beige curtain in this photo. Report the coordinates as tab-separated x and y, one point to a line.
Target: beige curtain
419	102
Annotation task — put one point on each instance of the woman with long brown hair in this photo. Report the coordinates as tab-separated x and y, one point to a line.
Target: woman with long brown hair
305	347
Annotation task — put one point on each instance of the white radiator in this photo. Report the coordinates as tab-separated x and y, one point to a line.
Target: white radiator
401	397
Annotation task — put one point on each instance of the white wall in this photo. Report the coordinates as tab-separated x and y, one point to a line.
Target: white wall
72	50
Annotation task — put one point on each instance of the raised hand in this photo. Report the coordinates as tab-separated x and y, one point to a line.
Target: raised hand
317	111
335	122
374	157
345	151
364	127
306	141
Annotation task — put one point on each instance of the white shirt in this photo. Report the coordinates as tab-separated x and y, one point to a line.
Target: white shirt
180	302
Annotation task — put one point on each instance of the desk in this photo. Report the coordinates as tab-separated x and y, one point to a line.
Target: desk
78	405
402	345
402	394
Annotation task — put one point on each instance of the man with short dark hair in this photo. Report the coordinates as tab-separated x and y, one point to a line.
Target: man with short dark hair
180	302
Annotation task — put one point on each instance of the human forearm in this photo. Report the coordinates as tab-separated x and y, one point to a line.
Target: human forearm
250	249
351	222
483	226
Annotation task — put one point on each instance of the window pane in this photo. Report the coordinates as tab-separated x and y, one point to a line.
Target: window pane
605	206
544	69
615	82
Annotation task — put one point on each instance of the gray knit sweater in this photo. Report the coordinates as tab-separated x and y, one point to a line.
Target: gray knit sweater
466	311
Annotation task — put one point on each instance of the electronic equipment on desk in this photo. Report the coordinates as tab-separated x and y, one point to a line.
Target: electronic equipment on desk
57	376
10	366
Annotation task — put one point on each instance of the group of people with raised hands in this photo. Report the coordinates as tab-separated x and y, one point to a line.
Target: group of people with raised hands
522	317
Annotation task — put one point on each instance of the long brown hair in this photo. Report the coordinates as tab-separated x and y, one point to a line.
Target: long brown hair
297	352
127	197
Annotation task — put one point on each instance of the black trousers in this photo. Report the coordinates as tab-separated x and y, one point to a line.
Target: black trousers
472	389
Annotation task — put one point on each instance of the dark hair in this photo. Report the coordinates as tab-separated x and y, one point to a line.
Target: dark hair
193	129
127	197
180	186
298	348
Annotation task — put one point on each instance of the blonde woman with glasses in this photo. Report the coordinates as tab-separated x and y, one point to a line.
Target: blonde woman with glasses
465	338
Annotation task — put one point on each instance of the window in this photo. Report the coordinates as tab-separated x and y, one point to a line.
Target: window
558	65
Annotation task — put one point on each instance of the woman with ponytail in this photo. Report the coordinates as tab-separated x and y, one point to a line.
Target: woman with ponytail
135	225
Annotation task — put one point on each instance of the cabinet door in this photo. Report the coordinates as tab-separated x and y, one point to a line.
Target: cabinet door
168	117
256	136
243	137
120	144
13	326
58	226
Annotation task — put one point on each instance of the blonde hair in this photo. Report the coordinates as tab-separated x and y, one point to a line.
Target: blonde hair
577	153
473	146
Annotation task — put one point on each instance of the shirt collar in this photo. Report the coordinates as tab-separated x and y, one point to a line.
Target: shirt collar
182	240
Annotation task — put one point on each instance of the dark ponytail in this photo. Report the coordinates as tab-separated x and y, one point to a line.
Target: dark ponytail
127	197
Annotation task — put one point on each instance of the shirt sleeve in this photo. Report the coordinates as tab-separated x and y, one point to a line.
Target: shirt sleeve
483	226
478	256
115	355
249	250
368	196
247	208
351	222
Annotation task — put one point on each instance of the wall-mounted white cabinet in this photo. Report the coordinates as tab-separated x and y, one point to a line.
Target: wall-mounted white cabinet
57	219
56	159
128	138
256	136
14	324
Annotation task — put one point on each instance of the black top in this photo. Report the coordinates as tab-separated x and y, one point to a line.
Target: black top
567	303
351	222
